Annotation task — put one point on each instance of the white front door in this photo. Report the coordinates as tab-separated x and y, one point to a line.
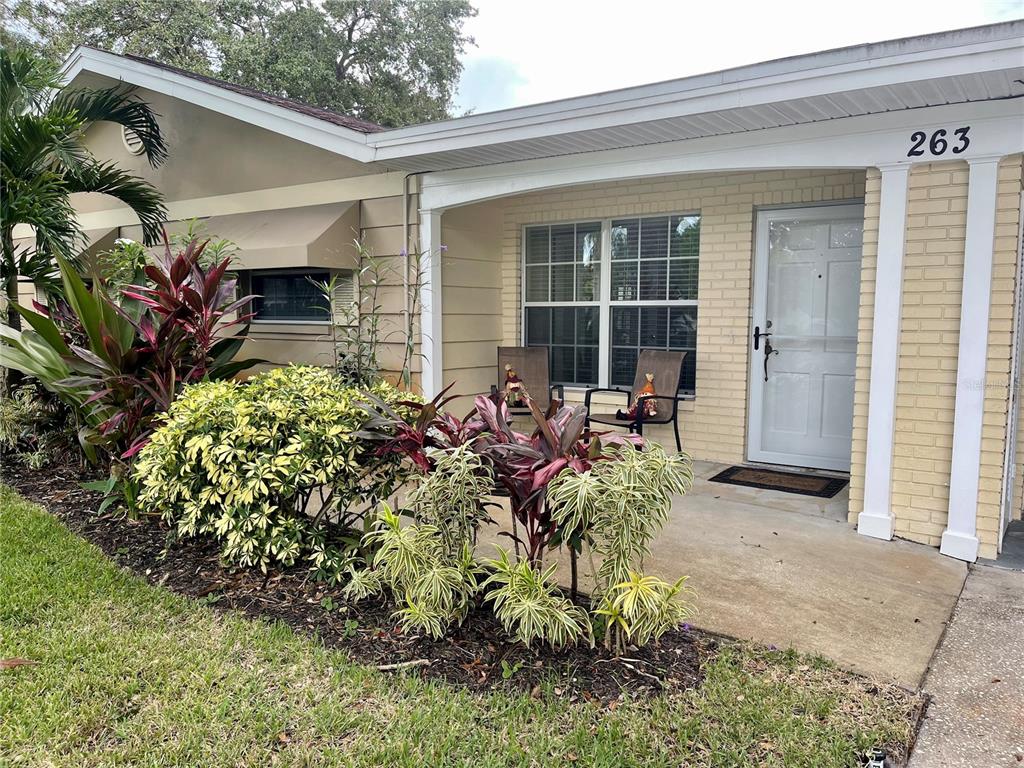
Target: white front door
803	348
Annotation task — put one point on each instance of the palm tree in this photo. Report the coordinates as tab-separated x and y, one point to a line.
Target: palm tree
43	161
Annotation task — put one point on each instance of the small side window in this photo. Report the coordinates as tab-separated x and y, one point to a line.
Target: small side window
288	295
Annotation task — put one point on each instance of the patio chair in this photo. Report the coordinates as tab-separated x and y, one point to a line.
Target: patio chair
667	370
531	366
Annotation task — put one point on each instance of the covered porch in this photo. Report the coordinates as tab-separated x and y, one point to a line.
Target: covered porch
907	257
787	570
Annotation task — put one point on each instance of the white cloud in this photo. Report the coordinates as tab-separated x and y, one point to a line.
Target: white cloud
530	51
488	83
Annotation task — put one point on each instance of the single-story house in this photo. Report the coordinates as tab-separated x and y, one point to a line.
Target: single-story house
835	240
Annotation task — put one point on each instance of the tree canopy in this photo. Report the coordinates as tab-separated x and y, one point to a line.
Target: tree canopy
392	62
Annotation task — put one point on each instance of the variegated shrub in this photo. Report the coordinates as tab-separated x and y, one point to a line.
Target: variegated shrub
271	467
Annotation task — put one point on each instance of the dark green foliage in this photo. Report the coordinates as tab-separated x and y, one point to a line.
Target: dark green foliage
392	62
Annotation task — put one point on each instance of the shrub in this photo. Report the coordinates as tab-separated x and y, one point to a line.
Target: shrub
617	507
272	468
642	609
34	429
432	586
529	606
450	497
525	465
119	360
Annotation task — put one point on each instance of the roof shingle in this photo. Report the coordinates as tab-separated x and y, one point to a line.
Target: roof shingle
345	121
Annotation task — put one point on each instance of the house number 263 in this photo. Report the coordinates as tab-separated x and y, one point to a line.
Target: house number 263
939	142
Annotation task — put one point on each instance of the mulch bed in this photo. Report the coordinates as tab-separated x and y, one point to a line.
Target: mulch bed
477	655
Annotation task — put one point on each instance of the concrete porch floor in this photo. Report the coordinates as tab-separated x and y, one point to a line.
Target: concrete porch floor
788	570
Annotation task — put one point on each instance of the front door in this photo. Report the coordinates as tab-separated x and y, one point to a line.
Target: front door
803	346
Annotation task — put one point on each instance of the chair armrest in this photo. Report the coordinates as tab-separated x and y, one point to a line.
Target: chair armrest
494	390
589	392
557	388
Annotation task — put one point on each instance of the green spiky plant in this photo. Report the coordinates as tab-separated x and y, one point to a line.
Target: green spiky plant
616	508
432	588
450	497
529	606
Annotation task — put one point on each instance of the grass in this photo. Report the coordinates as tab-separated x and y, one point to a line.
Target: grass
131	674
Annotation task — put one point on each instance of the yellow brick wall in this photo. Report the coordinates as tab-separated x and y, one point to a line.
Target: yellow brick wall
930	317
926	382
714	425
1000	344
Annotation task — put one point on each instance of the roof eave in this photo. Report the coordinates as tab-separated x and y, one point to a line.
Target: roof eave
764	84
294	125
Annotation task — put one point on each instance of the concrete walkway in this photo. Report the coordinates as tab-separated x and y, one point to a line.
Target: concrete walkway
976	718
790	571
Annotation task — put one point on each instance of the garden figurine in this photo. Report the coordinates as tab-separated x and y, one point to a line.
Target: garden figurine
515	389
650	406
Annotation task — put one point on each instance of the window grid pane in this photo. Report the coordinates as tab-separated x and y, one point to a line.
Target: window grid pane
637	328
571	335
654	260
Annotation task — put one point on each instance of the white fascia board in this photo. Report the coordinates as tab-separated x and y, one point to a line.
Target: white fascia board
852	142
309	130
704	93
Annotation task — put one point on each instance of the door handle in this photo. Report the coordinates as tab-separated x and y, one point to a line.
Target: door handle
758	335
769	350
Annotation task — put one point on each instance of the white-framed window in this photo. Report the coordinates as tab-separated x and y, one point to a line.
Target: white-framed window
597	292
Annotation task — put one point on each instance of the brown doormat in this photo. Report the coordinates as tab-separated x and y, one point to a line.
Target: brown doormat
788	482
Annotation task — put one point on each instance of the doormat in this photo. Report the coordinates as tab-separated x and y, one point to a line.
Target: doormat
788	482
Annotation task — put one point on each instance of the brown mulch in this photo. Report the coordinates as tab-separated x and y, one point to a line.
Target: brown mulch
478	654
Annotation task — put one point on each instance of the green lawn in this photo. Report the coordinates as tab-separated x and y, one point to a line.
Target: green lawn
130	674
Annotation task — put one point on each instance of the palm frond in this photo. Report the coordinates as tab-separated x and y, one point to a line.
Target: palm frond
139	195
26	80
113	105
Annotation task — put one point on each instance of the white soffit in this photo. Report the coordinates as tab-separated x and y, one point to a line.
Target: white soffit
979	64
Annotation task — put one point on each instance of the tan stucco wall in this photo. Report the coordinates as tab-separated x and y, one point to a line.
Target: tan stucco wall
219	166
211	154
714	425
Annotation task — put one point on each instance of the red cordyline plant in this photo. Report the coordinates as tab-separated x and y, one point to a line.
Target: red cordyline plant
522	465
120	364
195	304
430	427
525	464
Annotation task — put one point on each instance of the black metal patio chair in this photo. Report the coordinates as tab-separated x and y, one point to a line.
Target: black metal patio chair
666	368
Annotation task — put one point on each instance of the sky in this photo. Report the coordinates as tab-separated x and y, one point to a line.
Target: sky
531	51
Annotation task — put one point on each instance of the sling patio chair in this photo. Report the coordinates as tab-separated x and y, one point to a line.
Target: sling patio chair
666	370
530	366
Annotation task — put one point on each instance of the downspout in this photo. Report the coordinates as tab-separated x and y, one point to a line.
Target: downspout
408	256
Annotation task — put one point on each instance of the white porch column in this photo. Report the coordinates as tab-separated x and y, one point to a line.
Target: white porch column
960	538
430	303
876	518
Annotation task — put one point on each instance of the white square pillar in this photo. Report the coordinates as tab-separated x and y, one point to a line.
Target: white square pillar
960	538
430	303
876	518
